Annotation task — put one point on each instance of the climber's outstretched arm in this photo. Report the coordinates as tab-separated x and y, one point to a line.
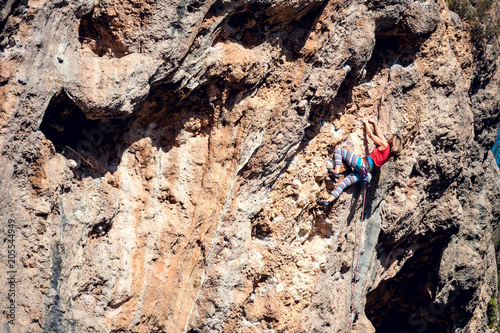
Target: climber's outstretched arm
378	132
377	137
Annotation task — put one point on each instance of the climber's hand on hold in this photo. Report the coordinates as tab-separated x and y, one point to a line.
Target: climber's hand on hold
377	137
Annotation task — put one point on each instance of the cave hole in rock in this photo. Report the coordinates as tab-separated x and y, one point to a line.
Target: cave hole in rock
385	54
76	137
168	117
392	48
407	302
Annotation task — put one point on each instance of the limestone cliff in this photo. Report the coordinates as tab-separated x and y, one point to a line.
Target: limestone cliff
160	163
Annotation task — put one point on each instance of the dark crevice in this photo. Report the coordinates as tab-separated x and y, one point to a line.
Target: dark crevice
390	50
394	45
66	125
17	7
260	226
407	302
193	6
261	231
97	146
270	320
102	228
96	33
115	305
485	130
252	25
243	26
483	74
261	279
216	10
298	32
437	188
55	314
76	137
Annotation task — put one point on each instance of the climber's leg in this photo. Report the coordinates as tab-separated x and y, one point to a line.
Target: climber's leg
353	178
353	160
344	155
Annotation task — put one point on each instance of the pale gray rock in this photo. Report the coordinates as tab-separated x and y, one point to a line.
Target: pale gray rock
161	161
422	17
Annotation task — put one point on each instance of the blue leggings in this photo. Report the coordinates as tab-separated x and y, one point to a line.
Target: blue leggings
353	160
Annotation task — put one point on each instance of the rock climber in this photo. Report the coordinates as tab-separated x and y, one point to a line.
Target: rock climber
362	167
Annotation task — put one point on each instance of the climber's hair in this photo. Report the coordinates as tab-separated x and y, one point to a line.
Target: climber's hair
396	144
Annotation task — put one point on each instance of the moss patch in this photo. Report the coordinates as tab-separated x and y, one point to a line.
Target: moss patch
492	312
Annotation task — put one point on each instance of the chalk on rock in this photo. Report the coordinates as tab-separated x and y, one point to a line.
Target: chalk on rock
72	164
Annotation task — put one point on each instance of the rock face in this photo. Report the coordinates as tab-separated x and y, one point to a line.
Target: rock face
160	161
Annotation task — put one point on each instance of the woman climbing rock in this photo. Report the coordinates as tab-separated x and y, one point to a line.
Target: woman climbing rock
363	166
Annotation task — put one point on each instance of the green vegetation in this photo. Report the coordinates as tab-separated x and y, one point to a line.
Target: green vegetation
483	16
492	311
493	308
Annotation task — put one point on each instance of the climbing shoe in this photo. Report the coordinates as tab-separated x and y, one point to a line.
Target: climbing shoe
323	203
333	175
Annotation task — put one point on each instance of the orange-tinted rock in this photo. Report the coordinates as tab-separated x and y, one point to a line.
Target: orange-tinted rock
162	160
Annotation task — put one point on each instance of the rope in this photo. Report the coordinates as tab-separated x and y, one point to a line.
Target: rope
357	261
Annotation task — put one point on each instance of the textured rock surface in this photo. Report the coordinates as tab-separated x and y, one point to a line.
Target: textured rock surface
161	161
